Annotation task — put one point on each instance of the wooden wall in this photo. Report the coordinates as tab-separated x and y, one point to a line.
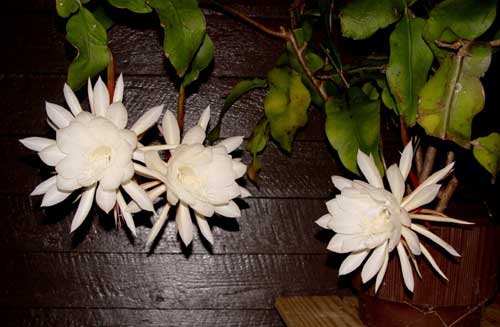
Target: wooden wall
100	276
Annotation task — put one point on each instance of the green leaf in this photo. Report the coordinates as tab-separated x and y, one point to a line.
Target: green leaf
458	19
486	150
386	95
370	91
359	19
257	144
451	98
286	105
408	67
89	37
66	7
137	6
202	59
101	16
356	127
184	29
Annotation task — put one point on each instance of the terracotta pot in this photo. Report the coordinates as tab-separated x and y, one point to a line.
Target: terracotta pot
473	278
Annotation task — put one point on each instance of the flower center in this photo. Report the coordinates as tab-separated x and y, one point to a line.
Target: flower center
187	177
100	157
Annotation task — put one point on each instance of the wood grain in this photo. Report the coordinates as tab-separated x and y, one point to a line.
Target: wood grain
94	280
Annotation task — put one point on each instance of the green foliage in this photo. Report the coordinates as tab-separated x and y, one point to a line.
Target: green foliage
101	16
359	19
386	95
89	37
487	152
184	30
452	97
409	64
286	105
67	7
257	144
201	60
137	6
352	125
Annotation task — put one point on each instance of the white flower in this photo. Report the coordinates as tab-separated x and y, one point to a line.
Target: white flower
92	151
367	218
196	176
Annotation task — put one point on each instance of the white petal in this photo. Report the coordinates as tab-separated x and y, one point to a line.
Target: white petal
37	143
431	260
229	210
412	240
405	267
194	135
119	86
244	193
117	114
51	155
53	196
101	98
58	115
438	175
149	173
381	272
352	262
231	143
324	220
44	186
349	243
170	129
396	182
441	219
112	179
90	93
152	194
420	197
157	226
84	207
341	182
148	119
67	185
239	169
204	227
184	224
436	239
153	161
138	155
374	263
127	216
72	100
203	208
105	199
369	170
406	160
138	195
205	118
172	199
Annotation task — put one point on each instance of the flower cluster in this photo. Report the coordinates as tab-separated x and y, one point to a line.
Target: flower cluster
370	222
95	152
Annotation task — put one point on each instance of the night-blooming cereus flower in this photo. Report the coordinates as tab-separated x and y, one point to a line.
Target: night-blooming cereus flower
92	151
369	219
195	176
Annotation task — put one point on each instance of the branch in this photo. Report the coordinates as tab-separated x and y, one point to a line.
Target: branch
180	107
430	156
111	76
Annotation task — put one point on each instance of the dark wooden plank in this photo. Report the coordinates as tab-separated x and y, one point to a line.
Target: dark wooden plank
133	318
75	280
270	226
240	50
303	174
23	103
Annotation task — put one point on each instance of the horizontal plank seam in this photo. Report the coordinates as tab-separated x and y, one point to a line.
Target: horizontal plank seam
2	307
5	74
103	253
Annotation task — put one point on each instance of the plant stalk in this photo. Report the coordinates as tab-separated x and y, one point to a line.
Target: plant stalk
430	156
181	99
111	77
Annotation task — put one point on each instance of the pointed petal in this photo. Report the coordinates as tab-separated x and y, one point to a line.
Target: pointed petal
51	155
37	143
323	221
58	115
67	185
184	224
44	186
229	210
381	272
153	194
72	100
431	260
244	193
127	216
239	169
101	98
436	239
438	175
396	182
153	161
157	226
195	135
405	267
231	143
148	119
439	219
205	118
117	114
138	195
341	182
90	93
412	240
203	208
374	263
105	199
83	208
352	262
406	160
204	227
138	155
170	129
369	169
119	86
420	197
